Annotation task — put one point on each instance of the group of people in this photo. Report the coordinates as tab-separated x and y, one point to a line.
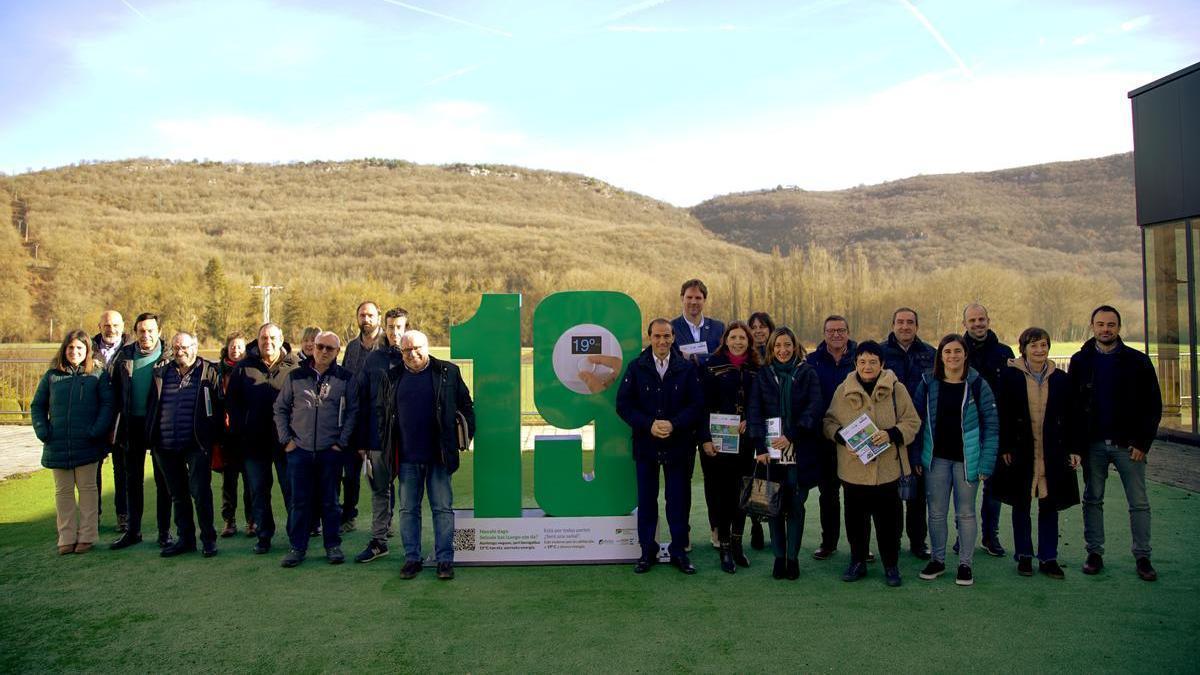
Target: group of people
943	421
263	412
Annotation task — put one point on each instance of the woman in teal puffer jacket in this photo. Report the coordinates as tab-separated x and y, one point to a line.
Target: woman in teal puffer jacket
72	414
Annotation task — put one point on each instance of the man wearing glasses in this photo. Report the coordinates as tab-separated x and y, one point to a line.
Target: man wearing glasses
834	360
315	415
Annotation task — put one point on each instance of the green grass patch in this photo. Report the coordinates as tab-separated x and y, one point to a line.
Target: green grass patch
131	611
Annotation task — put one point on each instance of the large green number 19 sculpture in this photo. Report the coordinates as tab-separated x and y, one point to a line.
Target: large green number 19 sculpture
560	487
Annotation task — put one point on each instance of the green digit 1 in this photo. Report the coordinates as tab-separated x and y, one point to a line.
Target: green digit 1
492	340
559	484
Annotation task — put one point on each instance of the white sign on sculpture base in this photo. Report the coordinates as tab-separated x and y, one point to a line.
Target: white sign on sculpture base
538	539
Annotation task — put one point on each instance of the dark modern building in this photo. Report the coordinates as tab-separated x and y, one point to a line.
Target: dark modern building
1166	157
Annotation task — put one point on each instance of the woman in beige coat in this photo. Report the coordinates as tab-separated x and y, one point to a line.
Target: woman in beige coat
871	487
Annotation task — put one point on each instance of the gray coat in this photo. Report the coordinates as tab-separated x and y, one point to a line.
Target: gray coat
317	411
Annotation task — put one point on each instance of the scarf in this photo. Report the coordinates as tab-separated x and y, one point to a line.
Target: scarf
739	361
784	374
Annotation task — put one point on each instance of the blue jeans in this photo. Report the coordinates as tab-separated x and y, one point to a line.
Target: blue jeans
258	474
305	470
1047	530
989	513
1133	478
942	478
414	480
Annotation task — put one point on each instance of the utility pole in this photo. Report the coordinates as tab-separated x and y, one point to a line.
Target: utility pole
266	296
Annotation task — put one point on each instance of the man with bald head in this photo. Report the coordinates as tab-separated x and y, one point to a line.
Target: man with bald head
418	415
184	420
315	415
105	345
250	397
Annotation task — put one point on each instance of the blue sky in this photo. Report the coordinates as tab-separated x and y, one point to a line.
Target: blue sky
674	99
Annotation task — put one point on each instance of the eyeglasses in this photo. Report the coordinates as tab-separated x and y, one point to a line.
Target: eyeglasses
325	348
836	331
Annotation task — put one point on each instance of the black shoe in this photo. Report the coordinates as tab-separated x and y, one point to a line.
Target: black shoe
209	550
1145	570
125	541
263	545
1025	566
739	555
165	539
411	569
727	564
780	570
643	565
251	530
933	569
956	547
891	576
1093	564
1052	569
921	552
993	548
294	557
793	569
965	577
375	549
230	529
870	557
315	532
349	526
177	548
823	553
122	523
855	571
334	555
756	536
683	563
445	571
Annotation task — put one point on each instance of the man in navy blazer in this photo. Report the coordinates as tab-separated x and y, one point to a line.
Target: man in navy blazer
692	326
661	400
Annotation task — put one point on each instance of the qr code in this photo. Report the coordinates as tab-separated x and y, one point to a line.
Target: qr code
464	539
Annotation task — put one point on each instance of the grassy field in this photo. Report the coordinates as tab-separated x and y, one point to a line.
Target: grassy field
131	611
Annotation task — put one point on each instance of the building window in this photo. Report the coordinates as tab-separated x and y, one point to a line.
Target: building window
1172	254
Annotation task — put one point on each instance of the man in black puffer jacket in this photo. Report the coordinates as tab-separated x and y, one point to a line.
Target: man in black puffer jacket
988	356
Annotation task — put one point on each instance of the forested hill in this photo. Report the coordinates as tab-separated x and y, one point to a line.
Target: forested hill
1076	216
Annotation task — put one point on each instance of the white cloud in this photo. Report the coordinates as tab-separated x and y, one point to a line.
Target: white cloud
1136	23
634	9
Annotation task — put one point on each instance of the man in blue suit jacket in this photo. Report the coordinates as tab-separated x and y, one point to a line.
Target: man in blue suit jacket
692	326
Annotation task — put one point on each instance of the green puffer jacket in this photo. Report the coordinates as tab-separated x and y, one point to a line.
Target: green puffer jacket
72	415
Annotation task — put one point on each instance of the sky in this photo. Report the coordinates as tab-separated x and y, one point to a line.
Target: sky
678	100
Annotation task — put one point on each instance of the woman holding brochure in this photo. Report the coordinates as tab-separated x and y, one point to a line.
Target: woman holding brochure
784	421
727	455
958	441
872	419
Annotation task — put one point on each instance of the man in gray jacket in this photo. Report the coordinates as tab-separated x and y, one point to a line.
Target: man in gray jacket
314	417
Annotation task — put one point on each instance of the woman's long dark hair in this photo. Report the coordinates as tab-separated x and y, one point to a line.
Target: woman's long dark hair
59	362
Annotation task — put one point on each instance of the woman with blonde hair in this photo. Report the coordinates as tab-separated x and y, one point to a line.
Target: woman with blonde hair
72	413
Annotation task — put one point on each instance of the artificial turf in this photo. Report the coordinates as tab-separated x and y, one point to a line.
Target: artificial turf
131	611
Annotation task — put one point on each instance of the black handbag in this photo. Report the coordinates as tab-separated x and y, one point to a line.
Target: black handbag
760	496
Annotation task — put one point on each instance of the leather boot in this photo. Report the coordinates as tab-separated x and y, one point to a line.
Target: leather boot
739	555
727	564
757	541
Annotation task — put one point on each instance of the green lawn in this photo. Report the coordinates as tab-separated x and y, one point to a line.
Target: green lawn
131	611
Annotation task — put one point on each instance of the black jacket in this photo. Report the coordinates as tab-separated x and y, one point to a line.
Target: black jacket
908	365
727	392
831	373
676	397
121	374
1139	400
808	414
250	399
988	357
209	416
370	383
451	396
1012	484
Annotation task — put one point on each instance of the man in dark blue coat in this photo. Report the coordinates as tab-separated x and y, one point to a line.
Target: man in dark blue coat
660	398
834	360
909	357
988	356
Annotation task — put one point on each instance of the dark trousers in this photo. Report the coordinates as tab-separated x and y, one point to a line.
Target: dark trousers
352	463
722	490
135	476
118	471
830	501
787	529
99	490
915	520
989	514
1047	530
229	493
675	474
189	481
865	503
305	470
258	474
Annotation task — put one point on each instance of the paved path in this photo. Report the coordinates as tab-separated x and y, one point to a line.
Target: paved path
1172	464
